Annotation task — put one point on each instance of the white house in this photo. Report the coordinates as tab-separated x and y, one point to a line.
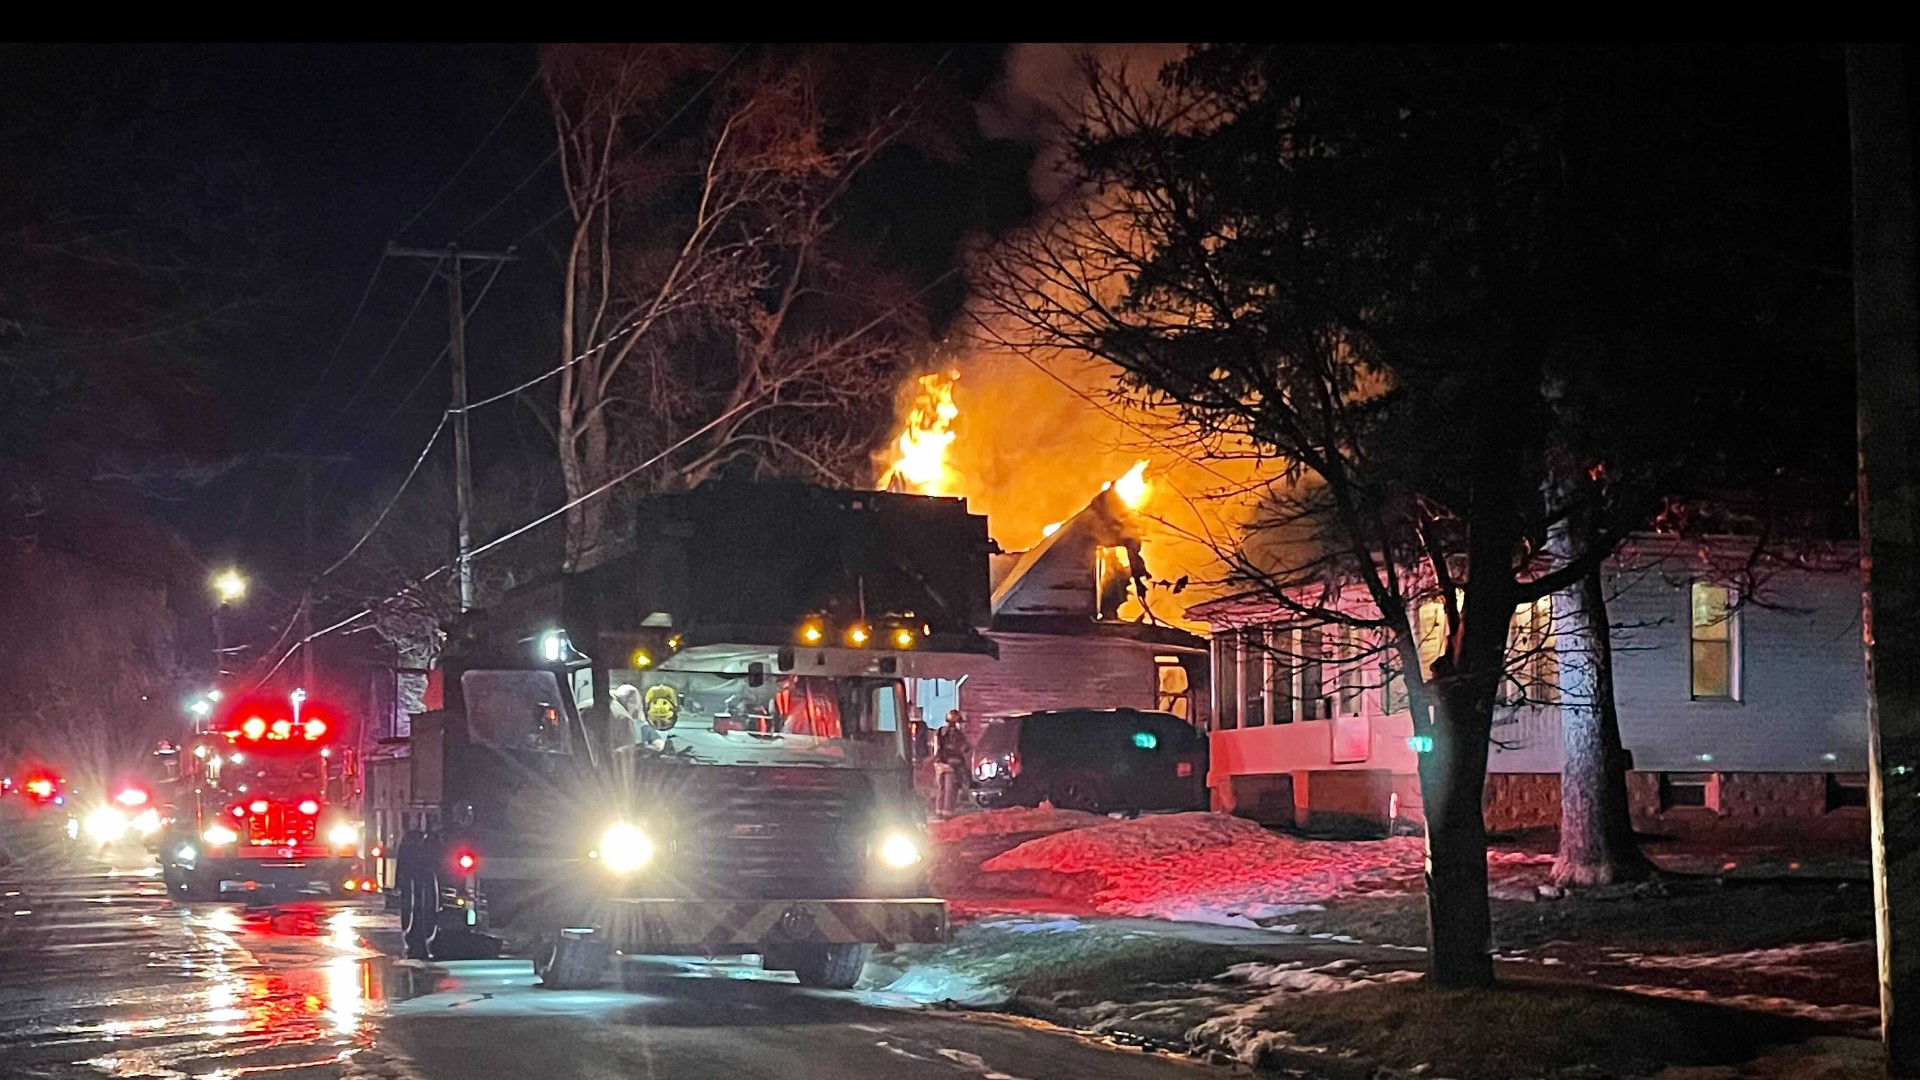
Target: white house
1738	712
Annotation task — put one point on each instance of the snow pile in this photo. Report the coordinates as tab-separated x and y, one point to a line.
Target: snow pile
1012	821
1204	867
1246	1030
1809	958
1298	978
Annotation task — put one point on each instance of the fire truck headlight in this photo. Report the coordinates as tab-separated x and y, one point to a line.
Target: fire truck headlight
343	835
147	822
624	849
186	854
219	836
106	825
898	850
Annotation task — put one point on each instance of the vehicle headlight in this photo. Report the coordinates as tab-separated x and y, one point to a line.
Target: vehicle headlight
186	853
219	836
898	849
343	835
624	849
147	822
106	825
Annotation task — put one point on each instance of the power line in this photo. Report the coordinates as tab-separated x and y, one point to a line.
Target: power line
487	138
387	509
677	445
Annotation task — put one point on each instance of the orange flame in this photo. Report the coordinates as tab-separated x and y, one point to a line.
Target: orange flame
1132	487
920	453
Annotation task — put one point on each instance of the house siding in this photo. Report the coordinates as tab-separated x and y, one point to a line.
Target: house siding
1048	671
1799	719
1802	704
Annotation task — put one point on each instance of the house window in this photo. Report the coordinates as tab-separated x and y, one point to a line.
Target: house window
1313	699
1253	677
1846	791
1280	667
1533	660
1173	687
1350	676
1226	681
1689	791
1716	642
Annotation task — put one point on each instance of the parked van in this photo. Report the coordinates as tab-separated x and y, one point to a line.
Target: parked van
1090	759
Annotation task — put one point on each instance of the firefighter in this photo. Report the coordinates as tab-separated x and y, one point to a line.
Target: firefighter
950	753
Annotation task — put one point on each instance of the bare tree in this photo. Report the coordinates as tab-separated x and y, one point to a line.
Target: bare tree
708	298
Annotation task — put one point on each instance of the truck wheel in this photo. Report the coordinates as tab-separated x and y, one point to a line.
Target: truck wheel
190	886
566	962
829	967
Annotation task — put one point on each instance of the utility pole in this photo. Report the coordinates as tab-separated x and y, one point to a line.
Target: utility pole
306	462
450	263
1887	355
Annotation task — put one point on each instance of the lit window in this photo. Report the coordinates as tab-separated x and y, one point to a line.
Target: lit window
1174	687
1533	661
1716	642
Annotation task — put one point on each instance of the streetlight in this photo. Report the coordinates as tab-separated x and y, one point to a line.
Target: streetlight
229	586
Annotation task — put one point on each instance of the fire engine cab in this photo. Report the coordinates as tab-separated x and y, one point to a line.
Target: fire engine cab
265	801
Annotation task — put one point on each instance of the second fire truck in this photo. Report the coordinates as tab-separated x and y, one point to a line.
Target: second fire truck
264	801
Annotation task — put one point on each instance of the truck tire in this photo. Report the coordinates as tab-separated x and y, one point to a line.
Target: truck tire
828	967
192	887
566	962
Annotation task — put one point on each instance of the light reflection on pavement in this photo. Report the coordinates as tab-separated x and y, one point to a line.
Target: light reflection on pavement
107	978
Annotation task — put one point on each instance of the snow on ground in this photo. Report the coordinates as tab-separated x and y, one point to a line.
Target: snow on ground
1813	956
1013	820
1204	867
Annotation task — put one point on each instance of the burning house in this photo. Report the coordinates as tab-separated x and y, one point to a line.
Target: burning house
1072	613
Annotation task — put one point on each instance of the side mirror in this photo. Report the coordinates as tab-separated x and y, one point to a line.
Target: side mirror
756	674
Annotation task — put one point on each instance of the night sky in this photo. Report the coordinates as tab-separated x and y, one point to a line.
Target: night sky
350	147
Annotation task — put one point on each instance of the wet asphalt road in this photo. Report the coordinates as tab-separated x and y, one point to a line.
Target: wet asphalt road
101	975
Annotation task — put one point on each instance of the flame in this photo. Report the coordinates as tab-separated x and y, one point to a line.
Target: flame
1132	488
920	453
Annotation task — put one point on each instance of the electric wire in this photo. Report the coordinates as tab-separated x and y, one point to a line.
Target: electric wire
469	160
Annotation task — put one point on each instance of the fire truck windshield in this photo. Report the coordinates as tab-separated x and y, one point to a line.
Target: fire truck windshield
267	773
720	717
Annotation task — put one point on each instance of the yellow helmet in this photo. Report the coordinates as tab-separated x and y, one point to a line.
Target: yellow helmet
662	705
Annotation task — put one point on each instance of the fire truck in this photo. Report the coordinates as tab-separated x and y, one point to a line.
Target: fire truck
696	746
263	801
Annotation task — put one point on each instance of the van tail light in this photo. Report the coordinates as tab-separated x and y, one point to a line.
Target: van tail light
1013	764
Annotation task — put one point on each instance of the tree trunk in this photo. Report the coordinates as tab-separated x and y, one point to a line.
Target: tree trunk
1887	352
1597	843
1453	778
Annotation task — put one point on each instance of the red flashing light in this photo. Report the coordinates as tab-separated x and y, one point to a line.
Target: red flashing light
309	807
315	728
237	810
132	796
377	851
282	729
254	728
41	787
258	806
466	860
